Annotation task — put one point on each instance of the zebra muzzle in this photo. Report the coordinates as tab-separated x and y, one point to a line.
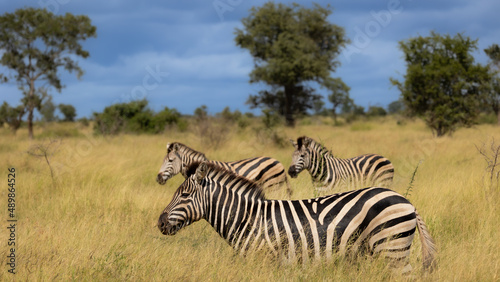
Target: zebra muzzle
166	227
161	178
292	171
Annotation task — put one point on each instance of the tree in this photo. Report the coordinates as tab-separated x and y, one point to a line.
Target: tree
351	111
68	111
36	44
11	116
375	111
275	99
201	112
442	84
339	94
396	107
47	110
291	46
493	96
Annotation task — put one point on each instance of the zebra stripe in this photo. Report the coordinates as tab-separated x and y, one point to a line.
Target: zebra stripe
266	171
328	172
374	220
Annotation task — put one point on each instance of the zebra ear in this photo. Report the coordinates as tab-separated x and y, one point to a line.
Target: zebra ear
174	147
294	143
306	141
168	147
201	172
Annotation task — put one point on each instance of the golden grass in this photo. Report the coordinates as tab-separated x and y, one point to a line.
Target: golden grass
99	221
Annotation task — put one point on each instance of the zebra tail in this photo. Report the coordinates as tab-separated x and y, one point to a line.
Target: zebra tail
429	249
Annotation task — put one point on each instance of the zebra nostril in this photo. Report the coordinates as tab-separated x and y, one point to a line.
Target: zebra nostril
162	221
159	178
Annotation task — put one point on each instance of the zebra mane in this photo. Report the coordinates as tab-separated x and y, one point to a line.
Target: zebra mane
233	181
314	145
191	169
185	148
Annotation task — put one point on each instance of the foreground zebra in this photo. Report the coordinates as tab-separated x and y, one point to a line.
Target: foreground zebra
373	220
266	171
328	172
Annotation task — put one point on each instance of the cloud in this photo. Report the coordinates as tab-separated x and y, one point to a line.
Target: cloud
196	47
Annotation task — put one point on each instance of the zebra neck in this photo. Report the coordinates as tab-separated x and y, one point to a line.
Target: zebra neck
319	164
234	216
188	159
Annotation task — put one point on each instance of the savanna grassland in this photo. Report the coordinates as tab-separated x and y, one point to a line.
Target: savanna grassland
95	219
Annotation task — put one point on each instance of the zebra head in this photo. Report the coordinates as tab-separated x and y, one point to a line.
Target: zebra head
172	164
301	157
185	207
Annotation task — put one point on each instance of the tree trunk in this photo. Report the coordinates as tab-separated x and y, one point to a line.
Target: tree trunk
289	93
31	108
30	123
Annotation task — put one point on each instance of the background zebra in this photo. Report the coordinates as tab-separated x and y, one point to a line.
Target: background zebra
328	172
373	220
266	171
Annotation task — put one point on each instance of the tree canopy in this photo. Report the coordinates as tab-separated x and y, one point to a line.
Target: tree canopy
36	45
442	83
68	111
291	45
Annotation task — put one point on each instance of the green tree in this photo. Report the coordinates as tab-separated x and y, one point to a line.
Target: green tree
201	112
68	111
47	110
442	83
319	108
275	99
12	116
291	46
339	94
396	107
36	45
375	111
493	96
164	118
351	111
121	117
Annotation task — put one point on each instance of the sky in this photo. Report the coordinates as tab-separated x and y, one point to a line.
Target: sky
182	54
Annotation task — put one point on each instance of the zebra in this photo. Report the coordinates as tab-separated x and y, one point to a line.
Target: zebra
328	172
371	221
267	171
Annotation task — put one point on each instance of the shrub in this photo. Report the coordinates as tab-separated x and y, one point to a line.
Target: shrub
134	117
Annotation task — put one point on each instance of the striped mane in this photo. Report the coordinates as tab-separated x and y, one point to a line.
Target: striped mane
312	143
234	182
184	149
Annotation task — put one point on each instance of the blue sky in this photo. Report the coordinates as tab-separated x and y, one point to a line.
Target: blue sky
181	54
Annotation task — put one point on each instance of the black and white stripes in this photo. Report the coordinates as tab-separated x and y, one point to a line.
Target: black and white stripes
329	172
266	171
372	220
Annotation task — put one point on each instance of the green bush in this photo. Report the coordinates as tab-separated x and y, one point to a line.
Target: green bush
134	117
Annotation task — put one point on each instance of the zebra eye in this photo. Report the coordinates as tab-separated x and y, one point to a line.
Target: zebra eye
185	194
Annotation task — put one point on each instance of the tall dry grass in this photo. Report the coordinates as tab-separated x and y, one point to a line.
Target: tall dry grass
98	221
